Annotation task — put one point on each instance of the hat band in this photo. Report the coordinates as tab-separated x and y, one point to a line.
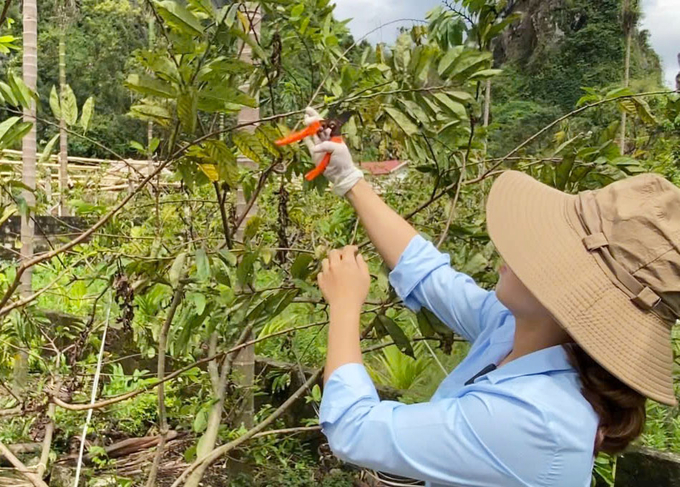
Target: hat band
596	242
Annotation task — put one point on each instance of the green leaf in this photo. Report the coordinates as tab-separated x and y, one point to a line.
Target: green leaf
449	58
199	301
69	106
397	334
47	151
268	143
271	307
644	112
248	144
402	121
469	62
461	97
228	13
485	74
227	257
15	183
618	92
500	26
146	85
6	126
54	103
627	105
427	320
22	93
12	130
224	98
457	109
297	10
244	271
301	266
8	95
210	170
179	18
138	147
187	111
202	264
252	227
201	421
177	269
224	160
153	113
204	7
86	116
240	33
227	170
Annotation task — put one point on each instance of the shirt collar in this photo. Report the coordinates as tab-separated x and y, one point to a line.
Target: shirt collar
552	359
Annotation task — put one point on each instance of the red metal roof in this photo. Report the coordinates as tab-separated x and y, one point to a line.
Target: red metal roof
382	168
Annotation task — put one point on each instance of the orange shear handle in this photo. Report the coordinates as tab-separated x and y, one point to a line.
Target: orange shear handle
321	168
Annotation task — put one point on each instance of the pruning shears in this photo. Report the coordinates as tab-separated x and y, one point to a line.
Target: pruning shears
333	124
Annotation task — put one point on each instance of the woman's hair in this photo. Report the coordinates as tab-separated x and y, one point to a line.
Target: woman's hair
621	409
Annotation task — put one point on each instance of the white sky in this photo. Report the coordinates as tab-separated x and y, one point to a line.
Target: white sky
661	18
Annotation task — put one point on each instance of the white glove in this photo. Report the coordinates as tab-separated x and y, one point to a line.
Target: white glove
341	171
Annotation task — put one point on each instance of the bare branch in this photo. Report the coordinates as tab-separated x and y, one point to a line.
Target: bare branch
162	417
21	468
224	449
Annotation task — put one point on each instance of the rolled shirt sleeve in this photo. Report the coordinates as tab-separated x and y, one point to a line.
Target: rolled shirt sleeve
423	277
460	441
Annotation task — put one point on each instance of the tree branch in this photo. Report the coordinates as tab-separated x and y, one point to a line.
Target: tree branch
489	172
224	449
5	11
84	236
162	417
454	202
21	468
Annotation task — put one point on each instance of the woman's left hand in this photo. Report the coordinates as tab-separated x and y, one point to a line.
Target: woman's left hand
344	279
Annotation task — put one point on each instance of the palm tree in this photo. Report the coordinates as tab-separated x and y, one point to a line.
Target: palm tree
65	11
30	72
630	16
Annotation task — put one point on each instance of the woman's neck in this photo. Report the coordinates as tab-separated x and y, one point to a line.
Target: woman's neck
532	336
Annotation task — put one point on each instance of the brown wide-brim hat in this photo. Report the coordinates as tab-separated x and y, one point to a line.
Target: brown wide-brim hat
578	253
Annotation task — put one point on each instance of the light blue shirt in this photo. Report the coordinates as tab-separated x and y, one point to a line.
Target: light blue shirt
524	424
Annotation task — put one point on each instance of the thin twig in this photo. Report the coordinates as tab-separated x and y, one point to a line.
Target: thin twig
461	178
28	299
162	416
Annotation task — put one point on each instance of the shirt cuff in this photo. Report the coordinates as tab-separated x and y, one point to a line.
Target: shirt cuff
417	261
348	385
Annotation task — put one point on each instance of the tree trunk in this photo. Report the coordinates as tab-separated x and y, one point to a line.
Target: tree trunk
244	364
626	83
30	72
149	126
487	103
63	136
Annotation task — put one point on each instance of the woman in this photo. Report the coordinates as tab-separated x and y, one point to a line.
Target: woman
564	352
